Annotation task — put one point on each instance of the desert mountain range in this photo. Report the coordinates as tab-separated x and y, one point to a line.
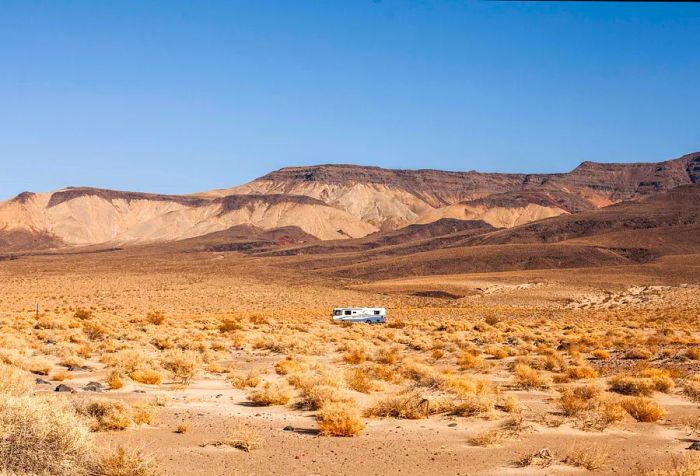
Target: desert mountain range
365	208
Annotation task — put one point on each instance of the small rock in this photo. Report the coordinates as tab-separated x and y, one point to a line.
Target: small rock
452	425
139	391
93	387
219	395
41	381
288	428
695	446
64	388
544	453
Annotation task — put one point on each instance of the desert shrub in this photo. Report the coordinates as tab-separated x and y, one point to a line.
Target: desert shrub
497	352
411	405
686	466
72	361
638	353
94	330
487	438
340	419
358	380
509	428
42	436
286	366
575	400
61	376
554	362
527	377
125	462
474	405
106	414
601	354
589	457
244	438
82	314
143	414
355	354
155	317
257	319
181	364
229	325
271	394
314	397
691	387
240	381
13	381
423	375
643	409
660	378
115	380
509	404
594	409
577	372
606	412
627	385
162	343
468	361
385	373
387	355
147	376
39	367
463	385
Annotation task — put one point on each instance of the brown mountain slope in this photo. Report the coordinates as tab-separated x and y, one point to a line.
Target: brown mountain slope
675	207
244	238
391	199
410	239
626	233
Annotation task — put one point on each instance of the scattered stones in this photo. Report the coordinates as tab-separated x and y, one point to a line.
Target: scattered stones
41	381
93	387
64	388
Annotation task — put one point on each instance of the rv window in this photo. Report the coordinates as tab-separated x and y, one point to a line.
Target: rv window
347	313
337	312
376	313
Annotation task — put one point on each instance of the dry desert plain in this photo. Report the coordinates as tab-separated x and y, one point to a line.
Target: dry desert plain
219	363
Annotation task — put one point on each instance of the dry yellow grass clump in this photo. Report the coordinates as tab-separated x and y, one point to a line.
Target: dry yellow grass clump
45	435
643	409
627	385
340	419
411	405
527	377
271	394
111	415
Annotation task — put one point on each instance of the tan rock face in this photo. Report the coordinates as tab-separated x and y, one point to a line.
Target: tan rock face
98	217
329	202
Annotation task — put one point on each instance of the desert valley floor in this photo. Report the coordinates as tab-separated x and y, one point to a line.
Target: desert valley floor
223	363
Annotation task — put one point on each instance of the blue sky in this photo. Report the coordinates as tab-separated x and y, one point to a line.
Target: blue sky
178	97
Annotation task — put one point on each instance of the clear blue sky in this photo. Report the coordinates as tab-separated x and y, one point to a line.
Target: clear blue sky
178	97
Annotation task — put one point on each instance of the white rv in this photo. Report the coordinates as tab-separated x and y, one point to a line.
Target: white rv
369	315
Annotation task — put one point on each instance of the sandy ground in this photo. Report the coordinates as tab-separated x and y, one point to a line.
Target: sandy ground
209	284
